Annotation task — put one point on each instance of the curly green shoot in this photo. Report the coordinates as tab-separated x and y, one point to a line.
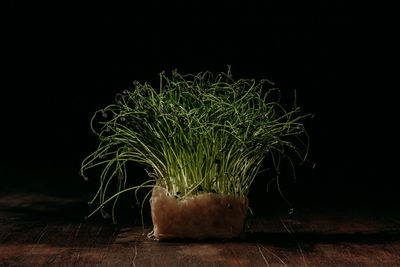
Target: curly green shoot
195	134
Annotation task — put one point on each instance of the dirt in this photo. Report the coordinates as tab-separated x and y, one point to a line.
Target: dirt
203	216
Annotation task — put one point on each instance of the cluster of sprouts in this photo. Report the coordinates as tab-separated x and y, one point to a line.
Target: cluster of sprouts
195	134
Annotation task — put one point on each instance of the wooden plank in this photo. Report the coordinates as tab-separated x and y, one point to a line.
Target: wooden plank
35	231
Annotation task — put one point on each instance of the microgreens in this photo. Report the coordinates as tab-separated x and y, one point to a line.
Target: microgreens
195	134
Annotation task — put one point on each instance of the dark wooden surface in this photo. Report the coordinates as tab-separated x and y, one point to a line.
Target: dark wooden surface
40	230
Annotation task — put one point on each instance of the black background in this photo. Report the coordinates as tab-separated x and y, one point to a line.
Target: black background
64	61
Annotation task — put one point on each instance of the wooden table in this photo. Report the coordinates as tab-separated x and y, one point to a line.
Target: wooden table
42	230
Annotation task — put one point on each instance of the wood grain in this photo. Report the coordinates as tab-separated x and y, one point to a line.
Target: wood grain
39	230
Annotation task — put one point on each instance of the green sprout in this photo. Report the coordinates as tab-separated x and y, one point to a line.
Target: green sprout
195	134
